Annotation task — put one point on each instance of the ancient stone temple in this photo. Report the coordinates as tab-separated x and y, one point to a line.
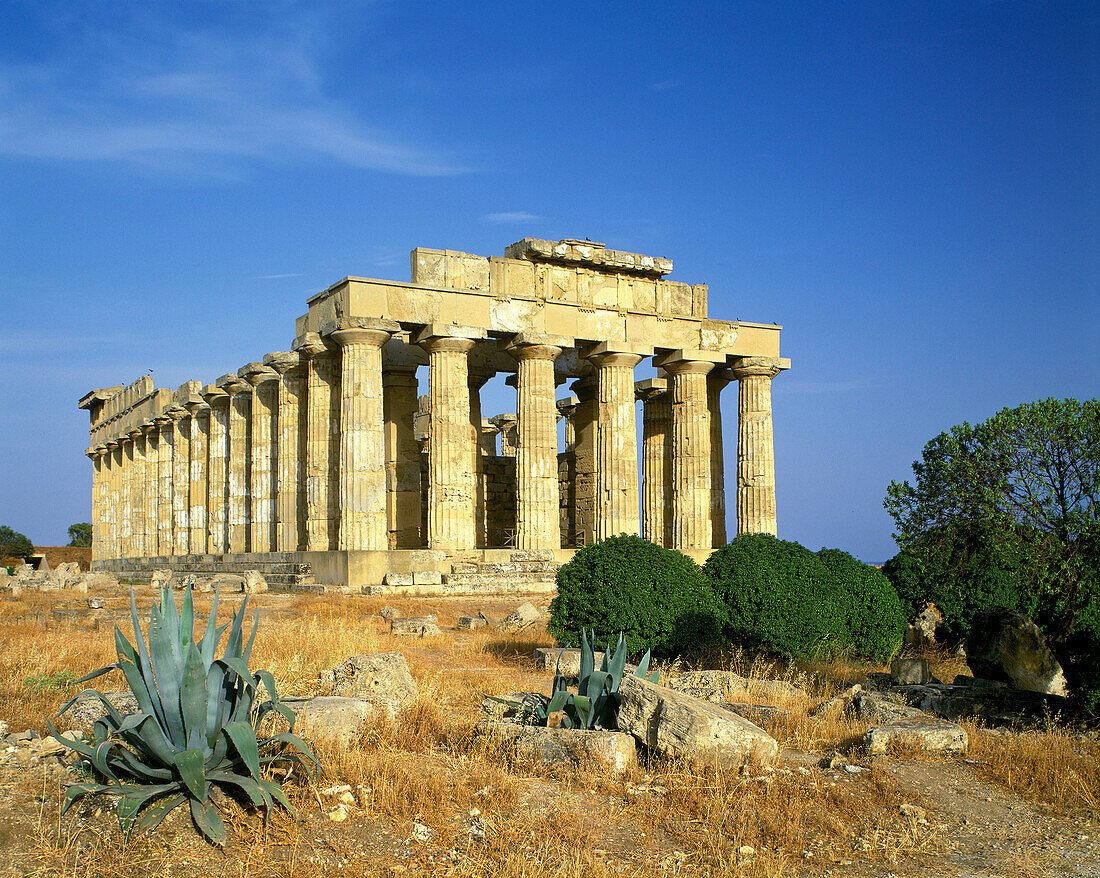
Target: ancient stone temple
361	456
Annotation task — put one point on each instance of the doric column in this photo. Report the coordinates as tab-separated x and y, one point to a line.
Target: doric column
126	497
199	448
362	476
755	445
538	526
289	481
716	382
507	424
95	455
240	419
451	487
152	485
656	460
691	498
399	401
616	440
261	484
137	493
217	471
322	439
181	480
165	448
475	380
567	499
584	460
114	467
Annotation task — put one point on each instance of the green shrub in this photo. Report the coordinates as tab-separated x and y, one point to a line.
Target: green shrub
13	544
1082	653
877	618
778	594
904	573
658	598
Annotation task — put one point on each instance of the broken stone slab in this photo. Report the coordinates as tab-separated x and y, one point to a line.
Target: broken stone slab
419	626
254	582
531	555
427	577
910	671
676	724
160	578
921	632
996	706
497	709
880	708
469	623
332	717
934	736
429	630
389	613
546	659
382	677
398	580
227	583
756	713
845	702
521	617
1006	645
979	682
612	753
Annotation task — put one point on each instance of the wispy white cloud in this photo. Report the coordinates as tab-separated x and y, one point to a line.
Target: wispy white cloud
511	217
277	276
664	85
195	102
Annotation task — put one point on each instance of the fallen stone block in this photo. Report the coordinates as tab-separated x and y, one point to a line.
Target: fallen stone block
880	708
399	580
469	623
547	659
414	624
331	717
389	613
845	702
1006	645
607	752
254	582
503	707
934	736
676	724
382	677
521	617
910	671
427	577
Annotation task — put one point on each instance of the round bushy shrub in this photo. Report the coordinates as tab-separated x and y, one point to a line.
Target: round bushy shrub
13	544
657	597
778	594
904	573
876	620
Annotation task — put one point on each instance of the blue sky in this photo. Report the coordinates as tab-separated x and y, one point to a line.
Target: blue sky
911	189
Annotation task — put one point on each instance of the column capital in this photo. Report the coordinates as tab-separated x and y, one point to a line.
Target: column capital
197	407
92	453
689	360
720	376
134	432
611	353
100	449
148	427
257	373
283	361
112	444
764	367
650	388
176	412
233	384
534	351
310	345
162	420
373	331
566	405
449	337
213	394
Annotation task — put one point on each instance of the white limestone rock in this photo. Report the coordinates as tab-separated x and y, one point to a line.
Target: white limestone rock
331	717
1006	645
612	753
521	617
676	724
930	735
254	582
382	677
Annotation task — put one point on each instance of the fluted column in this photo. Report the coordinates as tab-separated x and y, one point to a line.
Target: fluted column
362	476
716	382
567	501
538	525
240	419
181	480
755	445
616	441
691	523
322	440
95	455
261	483
217	471
289	480
584	460
656	460
199	448
474	382
114	466
451	486
126	497
165	448
152	486
137	493
402	455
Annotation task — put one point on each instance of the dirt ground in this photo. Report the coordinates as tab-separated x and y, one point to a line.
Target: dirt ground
57	555
438	803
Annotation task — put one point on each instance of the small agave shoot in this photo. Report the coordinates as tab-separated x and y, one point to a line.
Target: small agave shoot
595	704
196	724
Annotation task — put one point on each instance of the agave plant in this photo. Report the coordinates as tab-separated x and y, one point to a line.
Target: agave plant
195	727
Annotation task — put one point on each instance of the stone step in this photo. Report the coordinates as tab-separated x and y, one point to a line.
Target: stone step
500	579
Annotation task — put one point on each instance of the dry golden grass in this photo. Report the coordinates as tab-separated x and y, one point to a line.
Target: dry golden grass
426	766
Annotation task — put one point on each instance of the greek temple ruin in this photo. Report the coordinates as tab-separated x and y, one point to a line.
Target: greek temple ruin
360	458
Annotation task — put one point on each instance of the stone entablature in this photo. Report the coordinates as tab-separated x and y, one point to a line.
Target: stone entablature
332	447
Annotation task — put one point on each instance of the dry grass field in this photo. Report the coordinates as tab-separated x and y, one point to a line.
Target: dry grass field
432	799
